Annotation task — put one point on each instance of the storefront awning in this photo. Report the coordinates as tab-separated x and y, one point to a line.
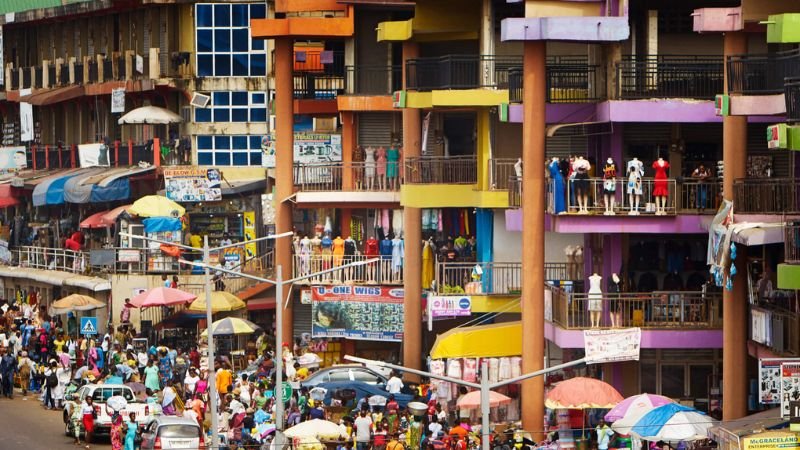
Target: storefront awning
116	186
482	341
57	278
52	96
6	198
240	186
758	233
80	186
261	304
180	319
51	190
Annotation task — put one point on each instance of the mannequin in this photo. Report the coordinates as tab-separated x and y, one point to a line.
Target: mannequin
392	167
609	186
427	264
386	258
635	172
296	244
305	255
349	255
358	167
398	253
369	168
327	251
581	168
518	167
660	188
614	306
558	186
380	168
316	251
371	251
595	300
338	251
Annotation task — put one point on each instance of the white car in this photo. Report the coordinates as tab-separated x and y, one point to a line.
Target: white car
100	393
172	433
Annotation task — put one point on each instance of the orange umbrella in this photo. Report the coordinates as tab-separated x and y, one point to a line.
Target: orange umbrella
582	393
96	221
473	400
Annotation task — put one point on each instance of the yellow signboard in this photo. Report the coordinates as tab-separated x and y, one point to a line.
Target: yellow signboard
251	248
771	440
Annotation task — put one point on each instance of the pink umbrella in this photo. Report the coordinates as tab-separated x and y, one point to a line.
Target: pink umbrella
473	400
111	216
582	393
637	404
161	296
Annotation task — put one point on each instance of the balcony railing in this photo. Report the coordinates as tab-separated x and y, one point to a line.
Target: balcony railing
791	94
501	170
767	196
515	191
493	278
622	203
460	72
663	76
52	259
570	79
762	74
441	170
791	242
378	272
696	196
374	80
775	328
654	310
331	177
318	86
324	61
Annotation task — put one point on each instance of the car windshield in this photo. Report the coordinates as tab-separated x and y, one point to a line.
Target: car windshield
179	431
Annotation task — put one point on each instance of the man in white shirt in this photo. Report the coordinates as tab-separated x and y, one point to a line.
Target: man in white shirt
363	426
395	384
434	427
190	381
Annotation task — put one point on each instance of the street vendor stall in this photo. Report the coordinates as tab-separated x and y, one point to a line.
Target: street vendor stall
769	424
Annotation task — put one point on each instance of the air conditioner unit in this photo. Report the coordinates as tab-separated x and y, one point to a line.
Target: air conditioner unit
200	100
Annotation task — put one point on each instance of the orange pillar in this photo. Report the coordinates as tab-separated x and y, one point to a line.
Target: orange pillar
157	152
412	226
131	162
734	311
533	206
116	153
348	145
284	159
344	222
33	155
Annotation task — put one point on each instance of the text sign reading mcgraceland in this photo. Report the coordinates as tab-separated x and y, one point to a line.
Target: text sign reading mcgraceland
371	313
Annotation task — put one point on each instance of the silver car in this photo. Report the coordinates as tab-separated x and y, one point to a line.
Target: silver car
172	433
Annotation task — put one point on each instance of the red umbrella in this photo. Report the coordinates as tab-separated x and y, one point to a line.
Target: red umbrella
161	296
96	221
582	393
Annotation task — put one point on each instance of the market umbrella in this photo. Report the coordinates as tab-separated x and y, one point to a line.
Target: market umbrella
150	115
473	400
317	429
75	302
220	301
161	296
112	215
232	325
673	422
96	220
156	206
630	410
582	393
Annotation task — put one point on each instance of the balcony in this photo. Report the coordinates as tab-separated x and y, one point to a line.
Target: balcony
515	192
331	177
622	204
379	272
791	242
570	79
791	92
373	80
441	170
496	278
775	328
460	72
501	171
318	74
696	77
762	74
766	196
649	310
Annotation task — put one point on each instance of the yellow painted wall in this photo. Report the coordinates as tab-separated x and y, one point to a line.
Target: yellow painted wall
442	16
451	196
495	303
555	8
457	98
484	147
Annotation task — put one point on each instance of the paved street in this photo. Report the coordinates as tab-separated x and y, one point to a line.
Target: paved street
26	425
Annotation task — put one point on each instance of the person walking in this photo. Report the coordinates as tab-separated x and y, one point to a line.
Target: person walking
363	426
50	383
25	366
8	367
130	434
87	417
604	434
116	431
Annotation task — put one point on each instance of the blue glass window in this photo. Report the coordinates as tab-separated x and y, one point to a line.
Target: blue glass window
258	98
239	142
205	65
223	159
239	98
203	14
222	41
258	115
239	115
222	98
223	36
240	16
205	41
205	158
222	15
222	65
240	64
238	150
258	11
255	158
241	39
222	115
202	115
222	142
205	143
240	159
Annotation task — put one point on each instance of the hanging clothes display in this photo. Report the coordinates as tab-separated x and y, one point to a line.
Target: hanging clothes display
397	222
427	265
385	221
470	370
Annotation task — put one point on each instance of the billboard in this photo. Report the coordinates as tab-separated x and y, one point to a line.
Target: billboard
193	184
13	158
309	148
372	313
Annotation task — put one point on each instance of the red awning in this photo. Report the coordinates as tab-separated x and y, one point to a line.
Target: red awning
254	290
6	199
261	303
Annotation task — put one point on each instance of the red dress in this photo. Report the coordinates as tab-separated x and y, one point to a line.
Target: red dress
661	189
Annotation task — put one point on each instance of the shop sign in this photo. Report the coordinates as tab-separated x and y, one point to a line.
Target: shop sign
193	184
251	248
309	148
128	255
777	136
612	345
305	297
449	306
722	105
790	385
372	313
399	100
232	259
770	441
13	158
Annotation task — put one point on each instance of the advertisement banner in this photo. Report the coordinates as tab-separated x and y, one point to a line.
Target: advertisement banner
612	345
193	184
25	118
769	379
790	386
251	248
770	440
13	158
117	100
93	155
309	148
449	306
372	313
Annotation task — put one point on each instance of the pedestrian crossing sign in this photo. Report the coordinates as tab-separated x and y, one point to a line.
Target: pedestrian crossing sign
89	326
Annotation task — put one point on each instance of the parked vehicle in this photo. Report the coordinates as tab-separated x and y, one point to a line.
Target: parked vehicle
172	433
100	393
344	372
355	390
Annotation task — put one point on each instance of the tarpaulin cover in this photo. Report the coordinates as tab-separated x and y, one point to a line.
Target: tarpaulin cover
51	192
78	189
157	224
119	189
480	341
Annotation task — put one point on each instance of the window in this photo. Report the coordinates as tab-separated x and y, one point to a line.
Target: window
233	106
239	150
224	46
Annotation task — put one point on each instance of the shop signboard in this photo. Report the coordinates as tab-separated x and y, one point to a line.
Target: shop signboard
770	440
251	248
193	184
612	345
769	379
372	313
128	255
449	306
790	385
13	158
309	148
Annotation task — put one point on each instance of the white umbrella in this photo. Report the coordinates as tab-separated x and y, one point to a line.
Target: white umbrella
150	115
316	428
116	403
673	422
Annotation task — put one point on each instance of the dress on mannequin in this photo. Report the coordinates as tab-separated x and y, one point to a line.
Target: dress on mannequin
380	162
398	253
610	178
369	166
338	251
427	265
371	247
392	159
305	255
660	186
397	222
386	248
558	187
595	293
327	251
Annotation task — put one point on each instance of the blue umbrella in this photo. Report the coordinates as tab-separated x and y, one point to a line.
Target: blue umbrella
673	422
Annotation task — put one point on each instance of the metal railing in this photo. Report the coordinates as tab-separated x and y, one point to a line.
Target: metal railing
331	177
318	86
791	92
667	76
777	329
622	203
52	259
791	242
766	195
493	278
460	72
762	74
515	191
570	79
441	170
695	196
501	170
313	61
655	310
382	271
373	80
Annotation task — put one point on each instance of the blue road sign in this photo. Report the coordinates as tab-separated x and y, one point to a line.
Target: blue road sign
89	326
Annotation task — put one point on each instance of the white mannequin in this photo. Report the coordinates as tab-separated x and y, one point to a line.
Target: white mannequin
661	201
616	315
595	299
518	167
580	167
369	167
305	255
635	171
609	187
